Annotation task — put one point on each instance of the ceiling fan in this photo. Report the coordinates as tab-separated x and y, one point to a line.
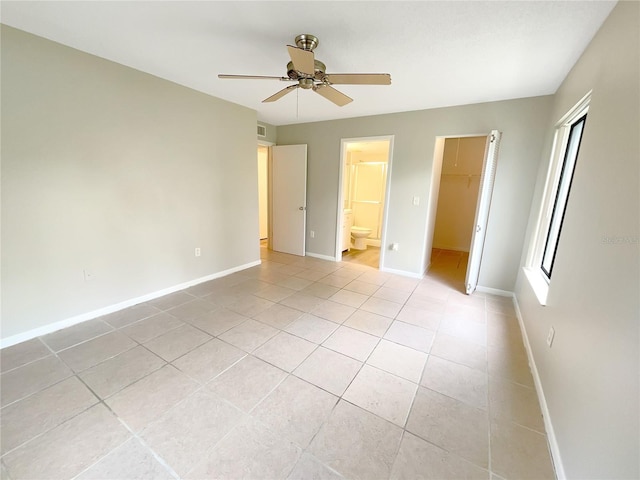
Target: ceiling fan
310	74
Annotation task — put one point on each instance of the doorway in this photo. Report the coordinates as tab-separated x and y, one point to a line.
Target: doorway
263	192
462	185
365	172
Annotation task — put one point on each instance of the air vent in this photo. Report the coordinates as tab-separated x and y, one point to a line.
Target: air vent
262	131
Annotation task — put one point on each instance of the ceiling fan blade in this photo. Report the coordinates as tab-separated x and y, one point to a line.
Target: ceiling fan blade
303	60
280	94
253	77
333	95
359	78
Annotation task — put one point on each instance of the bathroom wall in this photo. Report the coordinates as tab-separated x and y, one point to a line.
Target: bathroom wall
458	194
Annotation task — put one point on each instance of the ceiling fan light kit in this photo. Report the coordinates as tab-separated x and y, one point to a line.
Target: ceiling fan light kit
310	74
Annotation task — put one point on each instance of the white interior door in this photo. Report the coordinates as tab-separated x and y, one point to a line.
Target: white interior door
289	197
482	211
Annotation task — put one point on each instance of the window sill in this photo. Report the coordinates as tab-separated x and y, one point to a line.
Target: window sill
538	284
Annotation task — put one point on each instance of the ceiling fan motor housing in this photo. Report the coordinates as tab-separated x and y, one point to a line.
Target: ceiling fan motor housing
307	41
319	71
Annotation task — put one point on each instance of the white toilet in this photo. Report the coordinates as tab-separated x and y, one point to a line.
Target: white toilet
360	235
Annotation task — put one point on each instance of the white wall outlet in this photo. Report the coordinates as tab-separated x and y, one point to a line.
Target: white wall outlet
416	201
550	336
198	252
88	275
312	234
395	247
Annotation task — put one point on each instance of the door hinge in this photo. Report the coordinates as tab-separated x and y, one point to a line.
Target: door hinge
493	138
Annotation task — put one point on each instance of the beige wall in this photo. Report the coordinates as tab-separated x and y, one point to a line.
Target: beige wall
590	375
458	194
523	125
111	170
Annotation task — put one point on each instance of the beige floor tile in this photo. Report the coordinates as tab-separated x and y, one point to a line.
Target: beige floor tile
249	335
426	302
150	397
402	283
356	443
402	361
274	293
192	309
392	295
130	461
130	315
329	370
351	299
381	306
97	350
285	351
247	382
457	381
320	290
310	468
31	378
382	393
186	433
312	328
219	321
452	425
23	420
294	283
502	330
503	306
172	300
509	401
352	343
114	374
369	322
466	312
460	351
250	451
464	329
335	312
22	353
202	289
151	327
69	448
374	276
208	360
279	316
364	288
251	306
419	317
295	410
510	363
409	335
517	452
76	334
418	459
177	342
311	274
302	302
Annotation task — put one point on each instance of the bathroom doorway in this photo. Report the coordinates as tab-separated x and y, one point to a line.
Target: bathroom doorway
365	172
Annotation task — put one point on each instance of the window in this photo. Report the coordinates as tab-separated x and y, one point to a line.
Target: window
564	155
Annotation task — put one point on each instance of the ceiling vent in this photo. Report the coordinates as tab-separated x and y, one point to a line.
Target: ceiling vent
262	131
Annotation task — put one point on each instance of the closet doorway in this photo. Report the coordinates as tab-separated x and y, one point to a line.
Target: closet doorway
466	170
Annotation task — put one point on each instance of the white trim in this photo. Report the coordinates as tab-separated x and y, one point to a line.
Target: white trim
538	283
321	257
404	273
546	416
494	291
68	322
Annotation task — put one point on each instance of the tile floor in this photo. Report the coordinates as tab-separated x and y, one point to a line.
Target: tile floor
297	368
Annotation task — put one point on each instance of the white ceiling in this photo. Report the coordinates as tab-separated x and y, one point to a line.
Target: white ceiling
439	53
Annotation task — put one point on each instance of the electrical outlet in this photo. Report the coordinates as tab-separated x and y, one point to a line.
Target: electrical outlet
197	252
395	247
88	275
550	336
312	234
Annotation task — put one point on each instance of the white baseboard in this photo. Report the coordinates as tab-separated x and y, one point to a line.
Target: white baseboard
68	322
404	273
494	291
321	257
551	436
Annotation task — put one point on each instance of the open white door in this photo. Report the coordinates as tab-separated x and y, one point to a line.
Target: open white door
289	198
482	211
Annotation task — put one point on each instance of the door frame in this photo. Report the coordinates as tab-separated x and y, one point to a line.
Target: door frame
436	170
263	143
387	192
